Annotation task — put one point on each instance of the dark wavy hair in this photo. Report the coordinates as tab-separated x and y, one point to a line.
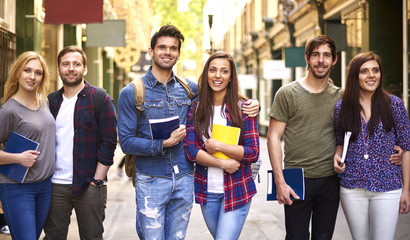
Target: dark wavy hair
349	116
169	31
204	112
320	40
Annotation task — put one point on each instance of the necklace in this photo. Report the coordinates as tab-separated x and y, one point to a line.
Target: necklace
366	142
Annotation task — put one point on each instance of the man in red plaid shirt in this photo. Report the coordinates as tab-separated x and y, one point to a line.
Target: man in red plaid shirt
85	145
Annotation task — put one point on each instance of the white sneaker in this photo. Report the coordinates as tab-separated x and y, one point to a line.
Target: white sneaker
5	229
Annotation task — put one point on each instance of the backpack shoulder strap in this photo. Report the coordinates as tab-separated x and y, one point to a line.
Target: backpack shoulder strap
139	92
98	99
186	86
139	95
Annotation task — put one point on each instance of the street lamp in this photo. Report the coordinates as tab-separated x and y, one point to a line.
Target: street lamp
210	21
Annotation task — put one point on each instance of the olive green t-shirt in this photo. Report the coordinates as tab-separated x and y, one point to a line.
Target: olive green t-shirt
309	134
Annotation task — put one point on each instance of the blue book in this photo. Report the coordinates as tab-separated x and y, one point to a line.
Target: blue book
162	128
17	144
294	177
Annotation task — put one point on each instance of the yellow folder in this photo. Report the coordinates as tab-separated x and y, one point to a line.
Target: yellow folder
225	134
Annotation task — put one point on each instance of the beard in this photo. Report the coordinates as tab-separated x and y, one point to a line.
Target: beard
320	75
74	83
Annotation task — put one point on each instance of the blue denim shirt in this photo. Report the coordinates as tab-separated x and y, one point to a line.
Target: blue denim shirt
161	101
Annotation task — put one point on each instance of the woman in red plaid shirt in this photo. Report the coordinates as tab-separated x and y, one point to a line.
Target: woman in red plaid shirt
223	187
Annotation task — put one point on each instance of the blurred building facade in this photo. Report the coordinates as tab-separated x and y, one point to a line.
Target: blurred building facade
23	28
259	31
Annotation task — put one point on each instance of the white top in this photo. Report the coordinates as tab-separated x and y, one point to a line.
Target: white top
63	173
215	174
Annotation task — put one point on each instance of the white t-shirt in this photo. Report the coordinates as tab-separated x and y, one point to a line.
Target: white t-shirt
215	174
63	173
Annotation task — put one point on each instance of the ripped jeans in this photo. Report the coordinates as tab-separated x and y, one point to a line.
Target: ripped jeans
163	206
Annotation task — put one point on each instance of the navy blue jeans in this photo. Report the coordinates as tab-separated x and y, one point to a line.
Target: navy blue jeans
321	204
26	207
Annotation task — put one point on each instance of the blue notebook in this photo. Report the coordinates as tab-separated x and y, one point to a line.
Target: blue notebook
17	144
294	177
162	128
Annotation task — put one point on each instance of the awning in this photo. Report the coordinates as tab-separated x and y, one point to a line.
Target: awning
73	11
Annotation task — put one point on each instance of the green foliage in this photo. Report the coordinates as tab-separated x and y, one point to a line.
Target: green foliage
189	22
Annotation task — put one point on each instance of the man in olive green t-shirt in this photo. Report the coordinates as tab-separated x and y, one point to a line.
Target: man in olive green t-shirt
303	113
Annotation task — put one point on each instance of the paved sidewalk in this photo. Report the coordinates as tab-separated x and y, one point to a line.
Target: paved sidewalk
265	220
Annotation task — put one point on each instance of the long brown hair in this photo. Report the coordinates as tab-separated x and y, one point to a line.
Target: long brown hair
349	116
204	112
12	83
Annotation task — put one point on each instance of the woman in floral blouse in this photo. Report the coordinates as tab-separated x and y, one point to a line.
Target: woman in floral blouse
372	193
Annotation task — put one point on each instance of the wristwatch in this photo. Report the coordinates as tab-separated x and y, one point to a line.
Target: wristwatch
98	182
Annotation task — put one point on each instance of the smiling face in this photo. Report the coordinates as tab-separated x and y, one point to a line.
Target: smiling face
369	77
321	61
31	76
165	53
219	75
71	69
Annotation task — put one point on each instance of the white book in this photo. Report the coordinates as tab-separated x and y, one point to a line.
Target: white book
345	145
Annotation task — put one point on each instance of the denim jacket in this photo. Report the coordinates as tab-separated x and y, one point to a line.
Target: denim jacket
161	101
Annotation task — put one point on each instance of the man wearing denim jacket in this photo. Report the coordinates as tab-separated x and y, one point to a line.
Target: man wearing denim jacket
164	178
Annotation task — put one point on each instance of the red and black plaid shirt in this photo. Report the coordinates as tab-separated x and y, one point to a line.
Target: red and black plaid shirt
95	140
239	187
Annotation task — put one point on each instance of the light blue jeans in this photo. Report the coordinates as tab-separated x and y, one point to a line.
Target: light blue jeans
223	225
163	206
26	207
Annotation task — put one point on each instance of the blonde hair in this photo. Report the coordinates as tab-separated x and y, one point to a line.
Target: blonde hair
12	83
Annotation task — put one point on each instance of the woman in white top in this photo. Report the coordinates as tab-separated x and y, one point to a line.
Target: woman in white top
223	187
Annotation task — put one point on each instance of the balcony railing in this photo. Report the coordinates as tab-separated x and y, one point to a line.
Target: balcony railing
7	55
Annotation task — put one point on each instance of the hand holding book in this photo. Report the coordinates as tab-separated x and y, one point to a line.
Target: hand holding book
28	154
293	189
28	158
167	129
176	136
212	145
